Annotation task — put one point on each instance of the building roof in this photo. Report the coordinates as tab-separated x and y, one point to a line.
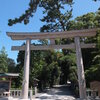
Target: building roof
9	75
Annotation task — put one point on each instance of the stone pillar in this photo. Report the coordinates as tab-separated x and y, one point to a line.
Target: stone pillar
80	70
25	84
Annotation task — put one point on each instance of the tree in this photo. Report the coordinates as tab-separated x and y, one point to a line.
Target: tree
54	17
87	21
19	69
28	13
11	65
57	20
43	67
6	64
66	63
3	61
91	57
33	4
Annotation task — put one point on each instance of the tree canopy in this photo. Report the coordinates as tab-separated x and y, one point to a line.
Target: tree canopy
33	4
6	64
3	61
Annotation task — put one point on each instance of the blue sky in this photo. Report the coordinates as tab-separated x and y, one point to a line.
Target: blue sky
14	8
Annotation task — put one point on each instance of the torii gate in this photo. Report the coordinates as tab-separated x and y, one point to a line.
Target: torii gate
76	34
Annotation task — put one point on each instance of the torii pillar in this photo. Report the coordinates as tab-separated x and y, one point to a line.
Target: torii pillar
25	84
80	69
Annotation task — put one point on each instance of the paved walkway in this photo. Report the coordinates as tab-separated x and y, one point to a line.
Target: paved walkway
59	92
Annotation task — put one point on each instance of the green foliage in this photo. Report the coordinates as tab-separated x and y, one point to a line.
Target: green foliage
98	39
91	57
19	69
66	62
54	16
93	74
11	65
3	61
7	65
25	16
49	71
87	21
43	66
57	20
50	67
33	4
73	74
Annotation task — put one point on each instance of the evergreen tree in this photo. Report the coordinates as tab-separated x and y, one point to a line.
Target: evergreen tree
6	64
3	61
33	4
91	57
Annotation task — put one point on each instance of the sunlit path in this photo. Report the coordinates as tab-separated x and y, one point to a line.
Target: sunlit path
59	92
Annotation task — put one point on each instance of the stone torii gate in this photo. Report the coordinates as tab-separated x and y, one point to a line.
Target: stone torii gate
77	45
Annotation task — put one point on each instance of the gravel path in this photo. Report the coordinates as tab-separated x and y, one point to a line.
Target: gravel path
59	92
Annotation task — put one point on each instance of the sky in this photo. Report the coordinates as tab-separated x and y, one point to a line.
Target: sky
14	8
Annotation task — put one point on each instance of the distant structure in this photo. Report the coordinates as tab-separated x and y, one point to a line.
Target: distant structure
5	85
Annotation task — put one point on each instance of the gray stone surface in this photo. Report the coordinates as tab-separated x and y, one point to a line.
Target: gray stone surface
6	98
57	93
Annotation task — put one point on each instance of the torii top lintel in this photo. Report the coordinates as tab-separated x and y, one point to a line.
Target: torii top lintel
51	35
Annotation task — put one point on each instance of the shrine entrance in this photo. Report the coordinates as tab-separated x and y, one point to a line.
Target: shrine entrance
52	36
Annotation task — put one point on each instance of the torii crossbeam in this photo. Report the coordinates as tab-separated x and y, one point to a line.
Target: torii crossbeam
76	34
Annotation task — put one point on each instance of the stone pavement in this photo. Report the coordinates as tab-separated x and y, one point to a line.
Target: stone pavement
59	92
